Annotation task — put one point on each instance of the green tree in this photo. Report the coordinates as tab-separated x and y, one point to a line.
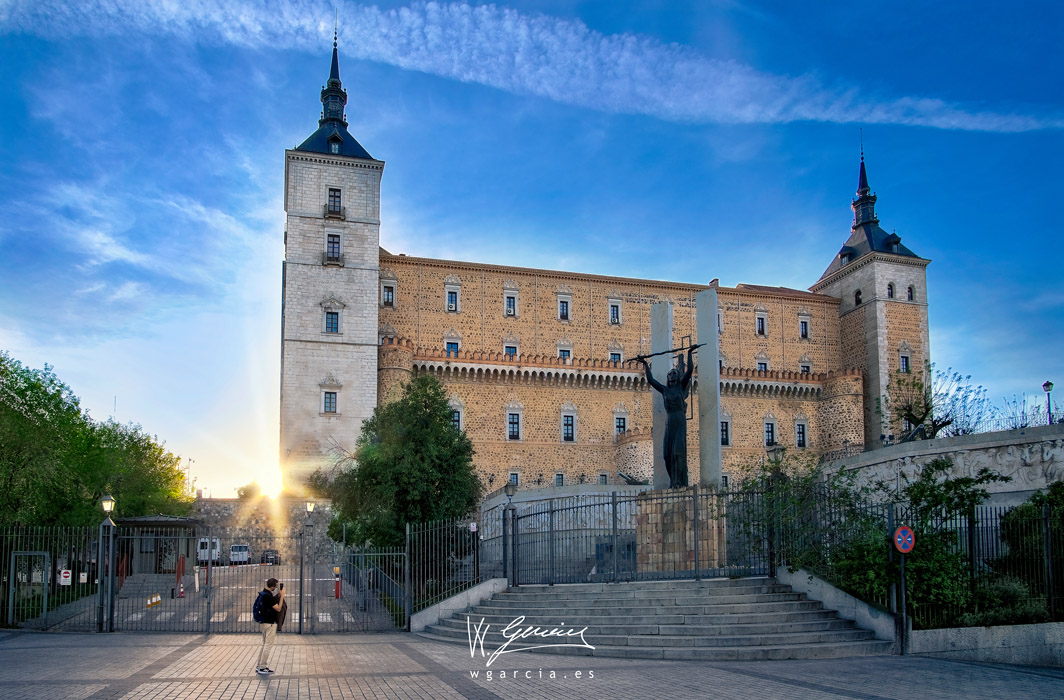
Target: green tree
410	465
56	462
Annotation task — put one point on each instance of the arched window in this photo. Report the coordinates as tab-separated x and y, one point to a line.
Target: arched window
857	298
890	291
912	294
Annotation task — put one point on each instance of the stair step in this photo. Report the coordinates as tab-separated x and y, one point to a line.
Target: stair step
653	626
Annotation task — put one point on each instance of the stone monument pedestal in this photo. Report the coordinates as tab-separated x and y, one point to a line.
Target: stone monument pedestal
669	523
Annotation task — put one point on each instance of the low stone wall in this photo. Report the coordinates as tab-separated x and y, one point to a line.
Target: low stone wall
1032	457
457	603
1032	645
864	615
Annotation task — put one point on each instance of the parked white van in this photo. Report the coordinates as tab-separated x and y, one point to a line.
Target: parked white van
209	550
239	554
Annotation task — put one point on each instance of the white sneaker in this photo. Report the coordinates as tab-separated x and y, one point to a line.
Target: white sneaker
263	671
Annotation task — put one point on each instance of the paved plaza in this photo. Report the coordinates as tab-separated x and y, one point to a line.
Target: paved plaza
47	666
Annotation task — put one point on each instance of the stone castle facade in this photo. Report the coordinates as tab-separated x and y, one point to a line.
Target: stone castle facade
538	363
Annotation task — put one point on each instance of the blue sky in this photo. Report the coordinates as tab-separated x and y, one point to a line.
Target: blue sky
141	171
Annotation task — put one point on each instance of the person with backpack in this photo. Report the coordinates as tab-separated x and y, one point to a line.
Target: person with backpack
267	605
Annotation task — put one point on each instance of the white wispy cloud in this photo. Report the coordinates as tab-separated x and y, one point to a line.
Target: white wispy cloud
530	54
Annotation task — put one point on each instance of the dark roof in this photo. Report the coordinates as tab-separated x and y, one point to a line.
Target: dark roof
318	142
865	239
158	519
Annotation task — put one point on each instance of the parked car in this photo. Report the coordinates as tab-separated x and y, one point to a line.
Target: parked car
239	554
209	551
270	556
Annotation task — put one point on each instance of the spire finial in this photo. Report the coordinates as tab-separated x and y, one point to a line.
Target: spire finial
336	25
861	132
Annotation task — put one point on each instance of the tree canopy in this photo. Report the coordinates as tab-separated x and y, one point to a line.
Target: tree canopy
935	401
56	462
410	465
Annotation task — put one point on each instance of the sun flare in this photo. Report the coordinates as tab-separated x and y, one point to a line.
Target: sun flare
271	483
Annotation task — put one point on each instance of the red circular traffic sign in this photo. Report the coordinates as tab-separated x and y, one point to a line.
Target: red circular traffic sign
904	539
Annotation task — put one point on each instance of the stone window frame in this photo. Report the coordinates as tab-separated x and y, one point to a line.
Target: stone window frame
452	284
564	294
388	279
565	345
890	290
805	365
762	358
329	386
514	478
905	353
338	206
614	300
387	331
510	290
568	410
615	348
805	318
458	407
726	433
857	298
910	293
511	341
761	321
603	478
770	428
620	411
514	408
339	258
452	336
801	432
331	304
559	479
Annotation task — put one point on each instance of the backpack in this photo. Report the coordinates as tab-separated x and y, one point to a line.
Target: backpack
257	611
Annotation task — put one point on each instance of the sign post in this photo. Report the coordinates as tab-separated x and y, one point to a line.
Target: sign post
904	541
64	577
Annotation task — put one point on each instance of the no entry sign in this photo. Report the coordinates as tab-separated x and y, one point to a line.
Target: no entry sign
904	539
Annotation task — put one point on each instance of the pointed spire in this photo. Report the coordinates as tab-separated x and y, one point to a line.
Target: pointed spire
862	179
334	72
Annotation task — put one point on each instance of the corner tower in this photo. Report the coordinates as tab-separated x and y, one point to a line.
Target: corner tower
882	286
329	284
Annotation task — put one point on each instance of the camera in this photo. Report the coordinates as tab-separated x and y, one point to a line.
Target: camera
282	586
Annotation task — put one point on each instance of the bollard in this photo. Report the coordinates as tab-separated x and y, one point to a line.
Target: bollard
336	573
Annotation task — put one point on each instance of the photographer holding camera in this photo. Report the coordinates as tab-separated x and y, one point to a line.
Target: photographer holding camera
267	605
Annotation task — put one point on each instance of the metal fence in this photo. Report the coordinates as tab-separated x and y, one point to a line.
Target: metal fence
193	579
625	537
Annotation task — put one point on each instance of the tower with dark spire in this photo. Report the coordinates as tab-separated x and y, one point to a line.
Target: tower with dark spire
881	286
330	284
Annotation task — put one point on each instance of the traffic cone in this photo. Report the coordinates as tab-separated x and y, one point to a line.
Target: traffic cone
181	590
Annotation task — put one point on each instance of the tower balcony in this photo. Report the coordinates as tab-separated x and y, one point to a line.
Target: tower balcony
332	259
335	212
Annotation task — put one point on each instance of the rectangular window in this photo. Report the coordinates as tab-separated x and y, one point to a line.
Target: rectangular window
334	200
511	306
762	366
515	478
615	357
332	322
799	434
770	434
563	310
330	402
452	349
388	295
805	369
803	330
620	424
559	479
903	365
332	250
456	419
563	353
568	428
511	351
452	301
761	325
602	479
513	424
615	313
725	433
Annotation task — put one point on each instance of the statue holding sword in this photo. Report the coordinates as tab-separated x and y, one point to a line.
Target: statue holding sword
674	393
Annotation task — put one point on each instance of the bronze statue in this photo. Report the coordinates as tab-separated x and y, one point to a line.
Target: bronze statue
674	394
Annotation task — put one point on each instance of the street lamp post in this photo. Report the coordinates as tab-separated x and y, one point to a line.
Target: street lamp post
510	488
1048	388
105	614
302	554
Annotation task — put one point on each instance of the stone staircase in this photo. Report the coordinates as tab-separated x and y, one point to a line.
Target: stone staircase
752	619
